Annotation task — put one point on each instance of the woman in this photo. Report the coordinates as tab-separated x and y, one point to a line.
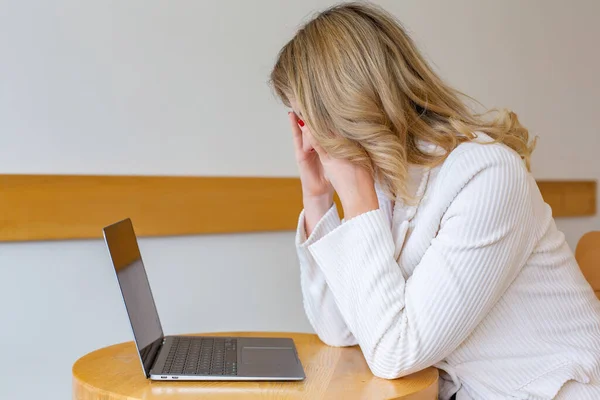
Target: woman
447	254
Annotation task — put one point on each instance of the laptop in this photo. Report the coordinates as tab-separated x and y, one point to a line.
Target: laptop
197	358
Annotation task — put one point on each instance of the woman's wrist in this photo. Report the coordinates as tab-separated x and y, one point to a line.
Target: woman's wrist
315	207
324	201
359	202
358	194
361	206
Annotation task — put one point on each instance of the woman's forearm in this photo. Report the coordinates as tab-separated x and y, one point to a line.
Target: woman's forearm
319	304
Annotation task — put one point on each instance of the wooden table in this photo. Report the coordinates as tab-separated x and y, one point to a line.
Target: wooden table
114	373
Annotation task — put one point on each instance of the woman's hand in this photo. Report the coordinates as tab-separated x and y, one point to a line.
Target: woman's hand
322	174
317	191
314	182
354	185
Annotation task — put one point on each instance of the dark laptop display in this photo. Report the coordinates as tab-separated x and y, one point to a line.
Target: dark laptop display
131	274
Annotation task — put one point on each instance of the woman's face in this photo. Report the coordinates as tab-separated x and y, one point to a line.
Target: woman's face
307	137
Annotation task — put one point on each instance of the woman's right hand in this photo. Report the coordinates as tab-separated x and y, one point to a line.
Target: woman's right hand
317	191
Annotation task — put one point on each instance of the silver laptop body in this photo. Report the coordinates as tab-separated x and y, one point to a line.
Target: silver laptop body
198	358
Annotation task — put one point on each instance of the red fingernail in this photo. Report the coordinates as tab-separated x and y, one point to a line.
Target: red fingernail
300	122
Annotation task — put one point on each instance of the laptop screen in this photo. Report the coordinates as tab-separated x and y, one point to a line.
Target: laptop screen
131	274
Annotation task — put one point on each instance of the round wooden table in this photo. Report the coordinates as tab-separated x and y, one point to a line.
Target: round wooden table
115	373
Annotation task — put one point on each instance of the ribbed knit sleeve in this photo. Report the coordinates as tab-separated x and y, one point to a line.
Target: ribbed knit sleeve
319	304
484	238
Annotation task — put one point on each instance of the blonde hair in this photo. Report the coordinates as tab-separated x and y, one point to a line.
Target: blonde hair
369	96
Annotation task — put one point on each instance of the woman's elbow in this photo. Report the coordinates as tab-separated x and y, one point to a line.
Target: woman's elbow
385	372
340	340
385	363
389	367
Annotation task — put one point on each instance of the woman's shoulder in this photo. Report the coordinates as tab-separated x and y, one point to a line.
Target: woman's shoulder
494	168
480	154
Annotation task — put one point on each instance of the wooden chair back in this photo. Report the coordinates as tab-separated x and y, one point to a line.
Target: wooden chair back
588	258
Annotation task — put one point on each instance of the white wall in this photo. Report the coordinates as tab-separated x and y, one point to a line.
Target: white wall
157	87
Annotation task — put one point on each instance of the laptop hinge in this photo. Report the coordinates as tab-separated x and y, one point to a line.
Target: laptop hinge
151	354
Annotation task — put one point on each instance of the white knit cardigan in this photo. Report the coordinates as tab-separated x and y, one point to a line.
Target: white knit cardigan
474	279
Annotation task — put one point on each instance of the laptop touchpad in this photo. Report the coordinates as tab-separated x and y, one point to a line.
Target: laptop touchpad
268	355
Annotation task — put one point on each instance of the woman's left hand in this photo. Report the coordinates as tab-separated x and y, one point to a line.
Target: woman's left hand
354	185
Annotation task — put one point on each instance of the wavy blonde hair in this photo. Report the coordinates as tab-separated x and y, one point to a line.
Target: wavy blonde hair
369	96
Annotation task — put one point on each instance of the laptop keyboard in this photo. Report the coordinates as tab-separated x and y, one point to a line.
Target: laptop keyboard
202	356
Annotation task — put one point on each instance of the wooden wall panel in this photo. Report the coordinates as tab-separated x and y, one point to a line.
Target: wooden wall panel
42	207
570	198
68	207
